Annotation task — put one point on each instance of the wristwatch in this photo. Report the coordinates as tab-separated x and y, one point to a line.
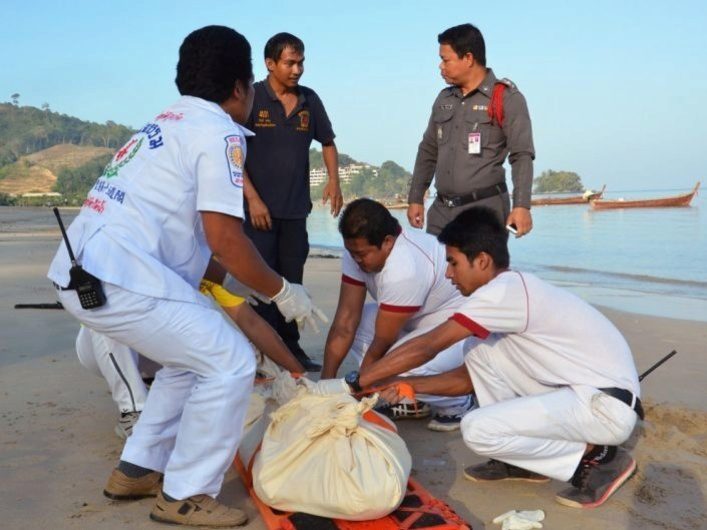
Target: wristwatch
352	380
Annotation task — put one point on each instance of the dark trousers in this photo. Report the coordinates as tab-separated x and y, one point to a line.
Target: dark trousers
284	248
439	215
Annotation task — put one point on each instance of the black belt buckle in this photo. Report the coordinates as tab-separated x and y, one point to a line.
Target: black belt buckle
451	202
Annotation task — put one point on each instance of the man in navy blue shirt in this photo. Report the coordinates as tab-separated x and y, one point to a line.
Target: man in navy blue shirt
286	117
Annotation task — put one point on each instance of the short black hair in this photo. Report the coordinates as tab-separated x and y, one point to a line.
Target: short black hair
477	230
368	219
211	60
465	38
277	44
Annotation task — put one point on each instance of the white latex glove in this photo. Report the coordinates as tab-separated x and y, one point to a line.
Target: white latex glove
294	303
252	296
327	387
520	520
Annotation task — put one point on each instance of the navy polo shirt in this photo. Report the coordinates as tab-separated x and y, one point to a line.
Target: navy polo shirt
278	155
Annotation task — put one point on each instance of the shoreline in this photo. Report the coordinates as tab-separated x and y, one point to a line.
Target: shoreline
624	299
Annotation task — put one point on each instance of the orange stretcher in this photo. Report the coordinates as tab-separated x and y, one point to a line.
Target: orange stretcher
419	509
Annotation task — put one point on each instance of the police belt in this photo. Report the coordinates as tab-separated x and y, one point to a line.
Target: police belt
476	195
627	397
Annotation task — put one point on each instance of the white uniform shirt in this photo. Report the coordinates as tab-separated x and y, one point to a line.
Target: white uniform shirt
552	335
412	279
140	226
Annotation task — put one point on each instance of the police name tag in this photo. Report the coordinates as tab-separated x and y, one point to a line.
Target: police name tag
475	143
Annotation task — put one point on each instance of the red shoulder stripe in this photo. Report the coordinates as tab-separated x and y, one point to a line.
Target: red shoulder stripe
400	308
352	281
476	328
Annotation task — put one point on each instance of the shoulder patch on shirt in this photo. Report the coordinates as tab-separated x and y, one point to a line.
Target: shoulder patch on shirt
236	158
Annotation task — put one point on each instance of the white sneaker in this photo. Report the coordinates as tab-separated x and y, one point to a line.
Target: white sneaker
125	425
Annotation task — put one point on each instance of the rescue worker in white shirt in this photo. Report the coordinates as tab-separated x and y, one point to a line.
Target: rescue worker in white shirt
555	380
169	199
119	365
403	271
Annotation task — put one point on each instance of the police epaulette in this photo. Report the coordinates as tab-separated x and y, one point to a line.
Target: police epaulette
510	84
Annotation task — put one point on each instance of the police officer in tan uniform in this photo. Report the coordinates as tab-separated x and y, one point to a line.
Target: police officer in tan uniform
475	124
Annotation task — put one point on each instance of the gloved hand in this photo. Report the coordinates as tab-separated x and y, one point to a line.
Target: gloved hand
327	387
520	520
223	297
294	303
252	296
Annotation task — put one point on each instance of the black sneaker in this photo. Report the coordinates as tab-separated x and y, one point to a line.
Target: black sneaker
495	470
594	483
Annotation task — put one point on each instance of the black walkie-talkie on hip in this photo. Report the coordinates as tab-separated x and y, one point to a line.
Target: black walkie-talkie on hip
86	285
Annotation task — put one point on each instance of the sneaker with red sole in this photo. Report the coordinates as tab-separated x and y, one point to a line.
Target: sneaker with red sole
594	482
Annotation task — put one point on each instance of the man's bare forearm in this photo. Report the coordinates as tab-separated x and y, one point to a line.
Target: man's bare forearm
456	382
263	337
237	254
330	156
410	355
338	344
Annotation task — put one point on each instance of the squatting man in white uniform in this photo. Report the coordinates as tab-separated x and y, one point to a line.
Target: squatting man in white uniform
170	198
403	271
555	380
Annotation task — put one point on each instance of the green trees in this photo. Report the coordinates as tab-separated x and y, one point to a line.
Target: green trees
25	130
78	181
389	182
551	181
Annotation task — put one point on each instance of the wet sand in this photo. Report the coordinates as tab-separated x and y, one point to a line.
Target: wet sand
57	444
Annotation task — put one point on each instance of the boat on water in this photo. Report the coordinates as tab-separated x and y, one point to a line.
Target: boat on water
663	202
572	199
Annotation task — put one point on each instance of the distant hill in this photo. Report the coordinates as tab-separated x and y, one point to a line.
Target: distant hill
42	151
388	183
39	171
551	181
38	146
316	161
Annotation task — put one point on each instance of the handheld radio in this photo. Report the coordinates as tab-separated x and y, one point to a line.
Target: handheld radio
86	285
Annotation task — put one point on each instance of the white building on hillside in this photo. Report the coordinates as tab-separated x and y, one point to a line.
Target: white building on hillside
318	175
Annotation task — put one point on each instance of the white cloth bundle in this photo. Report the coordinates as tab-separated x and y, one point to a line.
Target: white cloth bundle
319	456
266	397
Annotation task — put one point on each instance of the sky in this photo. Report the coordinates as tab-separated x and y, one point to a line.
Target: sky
615	89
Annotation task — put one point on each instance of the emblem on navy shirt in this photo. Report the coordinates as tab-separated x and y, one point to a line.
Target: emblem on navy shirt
446	106
303	120
235	157
263	119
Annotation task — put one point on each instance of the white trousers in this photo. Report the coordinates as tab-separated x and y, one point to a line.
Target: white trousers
526	424
117	364
193	418
446	360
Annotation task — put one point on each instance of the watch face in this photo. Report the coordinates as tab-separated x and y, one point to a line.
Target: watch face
351	378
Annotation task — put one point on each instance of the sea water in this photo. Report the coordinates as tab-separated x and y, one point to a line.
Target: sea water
650	261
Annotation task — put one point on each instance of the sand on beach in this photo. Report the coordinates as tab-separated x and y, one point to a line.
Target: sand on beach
57	444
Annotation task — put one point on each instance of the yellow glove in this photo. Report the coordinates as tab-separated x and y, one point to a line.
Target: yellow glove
223	297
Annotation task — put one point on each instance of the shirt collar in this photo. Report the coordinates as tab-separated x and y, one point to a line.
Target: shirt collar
485	88
215	108
273	96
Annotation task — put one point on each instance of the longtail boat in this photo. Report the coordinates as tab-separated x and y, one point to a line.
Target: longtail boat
663	202
574	199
